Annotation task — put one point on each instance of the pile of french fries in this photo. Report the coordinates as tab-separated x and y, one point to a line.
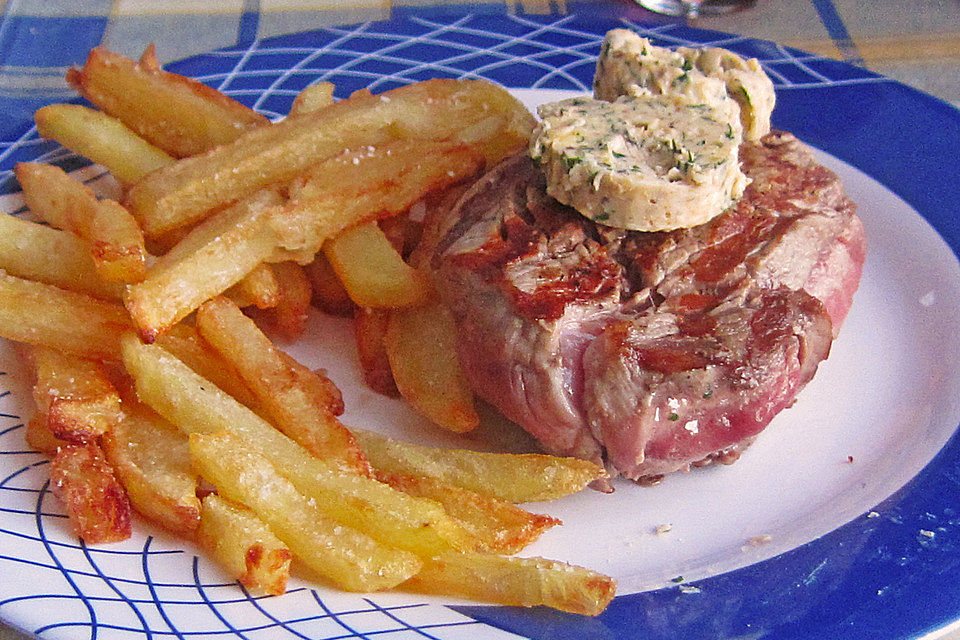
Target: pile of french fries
149	324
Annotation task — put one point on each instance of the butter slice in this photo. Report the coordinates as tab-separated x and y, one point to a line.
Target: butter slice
630	65
645	162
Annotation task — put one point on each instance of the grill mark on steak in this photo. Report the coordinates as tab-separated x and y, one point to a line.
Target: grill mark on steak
654	351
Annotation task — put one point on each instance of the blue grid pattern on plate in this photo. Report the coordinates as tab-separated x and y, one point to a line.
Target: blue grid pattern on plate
140	591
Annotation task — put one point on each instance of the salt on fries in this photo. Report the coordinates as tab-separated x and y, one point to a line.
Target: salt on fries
244	545
154	372
115	241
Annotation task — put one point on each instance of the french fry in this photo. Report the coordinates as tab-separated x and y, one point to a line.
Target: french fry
348	558
116	242
500	527
101	138
372	182
186	344
291	406
312	98
289	315
185	191
243	545
40	438
95	501
180	115
118	248
75	395
521	582
421	346
316	384
38	252
215	256
529	477
328	293
259	289
369	331
372	271
151	459
197	406
42	314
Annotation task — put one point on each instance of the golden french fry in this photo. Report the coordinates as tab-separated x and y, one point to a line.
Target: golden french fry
185	191
180	115
521	582
101	138
291	406
38	252
209	231
369	330
289	315
40	438
316	384
74	394
420	343
372	271
118	248
197	406
371	182
42	314
244	545
214	256
116	242
500	527
186	344
151	459
259	289
328	292
95	501
349	558
312	97
528	477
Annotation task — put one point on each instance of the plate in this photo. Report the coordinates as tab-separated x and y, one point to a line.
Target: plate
841	521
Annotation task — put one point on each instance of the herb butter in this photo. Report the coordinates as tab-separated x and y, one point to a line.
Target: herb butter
649	163
737	87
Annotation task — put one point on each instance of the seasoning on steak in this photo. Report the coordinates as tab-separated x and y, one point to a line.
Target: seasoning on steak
652	351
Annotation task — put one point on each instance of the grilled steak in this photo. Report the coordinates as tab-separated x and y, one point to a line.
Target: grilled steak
651	351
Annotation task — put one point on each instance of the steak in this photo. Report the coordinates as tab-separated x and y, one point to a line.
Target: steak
651	352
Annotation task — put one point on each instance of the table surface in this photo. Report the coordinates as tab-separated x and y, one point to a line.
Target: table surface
917	43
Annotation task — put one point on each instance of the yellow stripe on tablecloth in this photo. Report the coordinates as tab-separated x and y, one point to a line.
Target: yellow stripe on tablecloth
901	48
270	6
152	7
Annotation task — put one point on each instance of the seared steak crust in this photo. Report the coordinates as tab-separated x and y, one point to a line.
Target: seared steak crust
653	351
